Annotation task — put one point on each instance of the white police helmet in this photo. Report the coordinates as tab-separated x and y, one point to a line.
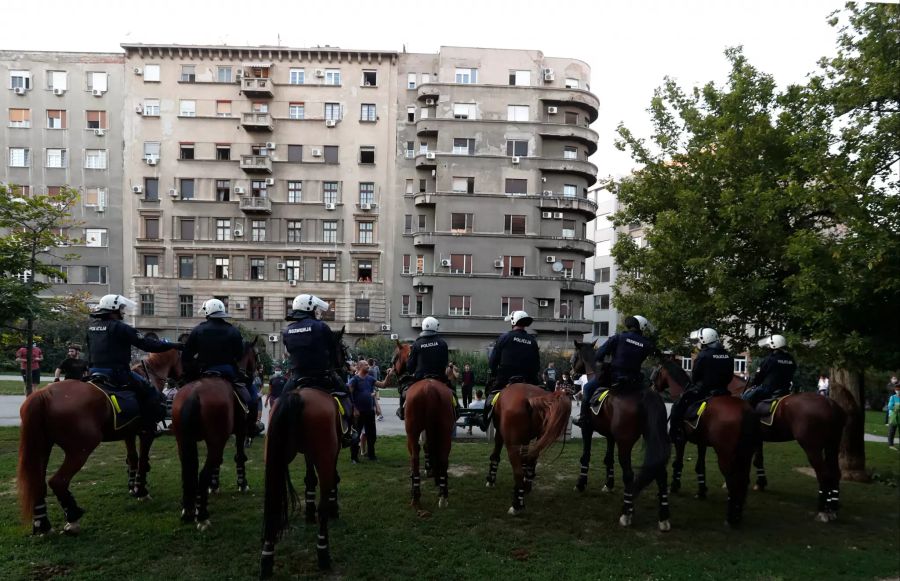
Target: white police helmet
430	324
643	324
214	309
774	342
114	303
704	336
519	318
309	303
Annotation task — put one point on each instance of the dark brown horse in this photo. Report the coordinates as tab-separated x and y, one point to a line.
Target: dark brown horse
729	426
623	419
528	420
304	421
77	416
207	410
429	409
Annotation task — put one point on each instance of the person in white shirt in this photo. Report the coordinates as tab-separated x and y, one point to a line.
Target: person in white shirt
823	385
477	404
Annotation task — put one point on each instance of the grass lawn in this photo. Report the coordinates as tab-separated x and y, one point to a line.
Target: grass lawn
562	535
875	423
16	387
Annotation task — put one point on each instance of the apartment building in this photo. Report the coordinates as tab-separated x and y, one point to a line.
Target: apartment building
63	127
255	174
492	177
599	308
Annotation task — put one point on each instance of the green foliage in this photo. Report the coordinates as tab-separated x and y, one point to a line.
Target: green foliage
381	349
262	352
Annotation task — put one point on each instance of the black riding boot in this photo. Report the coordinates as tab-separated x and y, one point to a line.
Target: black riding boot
400	411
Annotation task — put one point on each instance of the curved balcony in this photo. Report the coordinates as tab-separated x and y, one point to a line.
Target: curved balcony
429	91
583	135
578	285
571	97
585	169
557	243
583	206
426	160
425	200
426	127
549	95
423	239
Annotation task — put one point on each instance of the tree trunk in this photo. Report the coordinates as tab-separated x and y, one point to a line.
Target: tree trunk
848	390
29	356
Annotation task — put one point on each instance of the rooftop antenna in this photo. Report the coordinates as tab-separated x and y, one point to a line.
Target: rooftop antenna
279	39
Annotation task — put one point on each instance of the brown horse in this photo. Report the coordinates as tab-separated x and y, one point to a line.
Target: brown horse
729	426
528	420
304	421
429	409
207	410
623	419
77	416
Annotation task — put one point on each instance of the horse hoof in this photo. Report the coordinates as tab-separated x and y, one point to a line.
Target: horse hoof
72	529
213	491
266	567
724	485
821	517
606	488
665	526
513	511
443	502
245	488
489	484
832	516
143	498
203	525
625	520
759	487
579	488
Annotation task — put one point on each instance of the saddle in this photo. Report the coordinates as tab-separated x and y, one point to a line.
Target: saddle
766	409
125	406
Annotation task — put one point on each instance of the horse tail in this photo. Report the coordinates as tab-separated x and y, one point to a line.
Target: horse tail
34	451
280	495
189	426
558	408
750	436
435	435
656	439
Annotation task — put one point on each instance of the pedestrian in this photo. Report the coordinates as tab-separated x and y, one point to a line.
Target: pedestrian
276	387
452	373
476	404
891	386
362	394
823	387
73	366
564	383
893	407
550	377
468	383
36	357
374	370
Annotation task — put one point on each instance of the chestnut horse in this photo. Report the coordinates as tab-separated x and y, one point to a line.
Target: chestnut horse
729	426
429	409
623	419
304	421
207	410
77	416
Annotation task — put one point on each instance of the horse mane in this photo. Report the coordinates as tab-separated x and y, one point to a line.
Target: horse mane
676	372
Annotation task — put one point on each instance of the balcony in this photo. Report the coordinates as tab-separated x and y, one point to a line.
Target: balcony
571	97
423	239
425	200
427	127
585	169
256	205
257	122
253	87
426	160
583	135
578	285
584	206
256	164
558	243
429	91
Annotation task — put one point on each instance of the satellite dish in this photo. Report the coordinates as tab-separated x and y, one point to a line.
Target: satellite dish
557	266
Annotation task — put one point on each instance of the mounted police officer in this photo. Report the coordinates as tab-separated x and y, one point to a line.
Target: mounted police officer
713	370
109	342
627	351
311	346
775	374
427	358
515	354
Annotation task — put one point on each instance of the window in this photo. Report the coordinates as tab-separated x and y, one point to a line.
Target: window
687	363
95	274
330	192
367	112
464	110
410	80
466	76
223	229
151	149
57	80
221	267
97	120
61	276
407	223
361	310
95	159
568	228
19	157
329	270
257	308
295	192
223	190
463	184
516	187
288	306
331	154
740	364
404	305
460	305
565	308
513	266
410	153
329	314
185	266
571	118
20	80
423	223
366	193
329	231
364	271
258	231
332	76
223	151
223	108
151	266
20	118
151	189
571	83
568	268
517	113
296	77
410	114
224	75
295	231
332	111
187	108
404	269
151	73
147	305
97	81
602	274
56	158
257	269
151	228
515	147
293	269
570	191
297	111
520	78
461	222
187	189
603	329
258	188
259	107
95	238
151	108
511	304
460	264
420	263
514	224
56	119
601	302
463	146
186	229
570	152
186	151
186	305
94	197
370	78
365	232
366	154
188	74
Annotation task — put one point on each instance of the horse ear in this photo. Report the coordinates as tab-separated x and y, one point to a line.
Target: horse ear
399	344
341	332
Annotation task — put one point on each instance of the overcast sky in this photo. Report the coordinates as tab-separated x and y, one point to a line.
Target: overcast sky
629	44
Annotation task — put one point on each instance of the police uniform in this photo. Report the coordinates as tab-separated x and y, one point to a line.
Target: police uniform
429	356
773	378
215	345
713	370
515	354
310	344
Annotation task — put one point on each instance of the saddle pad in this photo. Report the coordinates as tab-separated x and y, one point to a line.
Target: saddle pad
240	401
692	416
766	409
124	406
345	427
597	401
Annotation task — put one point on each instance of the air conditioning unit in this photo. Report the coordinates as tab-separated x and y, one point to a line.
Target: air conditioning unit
173	192
548	75
239	190
548	192
151	160
543	303
429	102
423	290
99	132
270	145
557	215
498	263
543	179
552	110
273	338
550	259
445	262
137	190
19	90
546	214
139	110
516	159
395	337
240	305
331	206
59	92
270	181
430	155
138	71
280	266
330	123
292	282
320	73
365	207
97	92
316	152
385	327
238	232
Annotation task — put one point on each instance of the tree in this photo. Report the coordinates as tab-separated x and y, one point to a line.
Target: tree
776	211
34	229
